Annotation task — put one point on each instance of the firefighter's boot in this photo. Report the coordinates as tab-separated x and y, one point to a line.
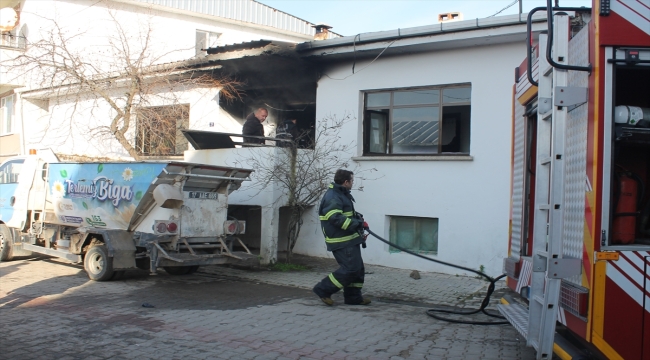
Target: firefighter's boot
325	299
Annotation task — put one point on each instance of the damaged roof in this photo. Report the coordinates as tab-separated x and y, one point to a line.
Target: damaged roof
267	67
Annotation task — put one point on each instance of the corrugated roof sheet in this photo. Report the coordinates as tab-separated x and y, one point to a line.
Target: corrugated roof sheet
243	10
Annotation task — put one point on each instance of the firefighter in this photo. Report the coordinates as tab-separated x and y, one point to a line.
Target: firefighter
343	229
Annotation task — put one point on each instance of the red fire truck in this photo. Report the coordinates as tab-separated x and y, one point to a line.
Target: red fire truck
579	247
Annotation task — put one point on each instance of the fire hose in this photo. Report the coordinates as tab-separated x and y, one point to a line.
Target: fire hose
484	304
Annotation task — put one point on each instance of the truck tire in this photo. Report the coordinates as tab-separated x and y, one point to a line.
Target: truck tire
97	263
6	244
177	270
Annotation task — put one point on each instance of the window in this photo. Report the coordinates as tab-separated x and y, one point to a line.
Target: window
9	171
421	121
414	233
15	39
7	114
205	40
158	130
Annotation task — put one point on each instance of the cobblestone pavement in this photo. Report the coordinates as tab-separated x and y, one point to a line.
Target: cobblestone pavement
50	310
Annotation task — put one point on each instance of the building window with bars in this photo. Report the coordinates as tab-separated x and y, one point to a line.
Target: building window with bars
158	130
414	233
7	114
417	121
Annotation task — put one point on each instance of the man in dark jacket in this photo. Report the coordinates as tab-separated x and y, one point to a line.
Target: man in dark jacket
343	229
253	126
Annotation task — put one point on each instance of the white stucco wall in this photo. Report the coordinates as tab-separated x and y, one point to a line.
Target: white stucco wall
174	32
71	126
470	198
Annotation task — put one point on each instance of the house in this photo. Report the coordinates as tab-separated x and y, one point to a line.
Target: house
431	111
74	122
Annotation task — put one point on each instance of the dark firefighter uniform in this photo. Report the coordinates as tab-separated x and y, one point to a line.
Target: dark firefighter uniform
342	228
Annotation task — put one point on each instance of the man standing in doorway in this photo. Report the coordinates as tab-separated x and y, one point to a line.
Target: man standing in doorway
253	126
343	229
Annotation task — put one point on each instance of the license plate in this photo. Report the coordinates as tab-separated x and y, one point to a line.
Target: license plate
203	195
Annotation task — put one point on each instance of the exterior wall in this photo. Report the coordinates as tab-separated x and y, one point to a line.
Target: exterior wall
470	198
73	128
9	146
172	39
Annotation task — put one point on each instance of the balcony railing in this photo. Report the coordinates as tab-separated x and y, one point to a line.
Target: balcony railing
8	40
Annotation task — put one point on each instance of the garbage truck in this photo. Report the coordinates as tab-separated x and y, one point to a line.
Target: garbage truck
116	216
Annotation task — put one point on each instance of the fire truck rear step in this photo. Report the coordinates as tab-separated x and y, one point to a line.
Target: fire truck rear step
516	314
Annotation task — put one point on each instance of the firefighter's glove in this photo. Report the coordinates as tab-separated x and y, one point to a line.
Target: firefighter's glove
365	226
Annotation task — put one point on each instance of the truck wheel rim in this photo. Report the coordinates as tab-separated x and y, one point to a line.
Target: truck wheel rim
96	263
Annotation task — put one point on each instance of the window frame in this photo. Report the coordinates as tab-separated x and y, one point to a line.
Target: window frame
392	231
367	110
182	123
5	165
4	130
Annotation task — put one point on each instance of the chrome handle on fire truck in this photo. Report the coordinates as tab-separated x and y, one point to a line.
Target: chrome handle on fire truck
549	19
549	40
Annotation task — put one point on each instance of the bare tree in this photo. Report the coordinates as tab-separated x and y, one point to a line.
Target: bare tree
125	74
303	173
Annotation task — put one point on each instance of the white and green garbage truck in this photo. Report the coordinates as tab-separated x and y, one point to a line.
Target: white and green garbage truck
115	216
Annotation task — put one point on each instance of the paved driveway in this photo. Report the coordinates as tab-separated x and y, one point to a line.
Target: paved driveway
50	310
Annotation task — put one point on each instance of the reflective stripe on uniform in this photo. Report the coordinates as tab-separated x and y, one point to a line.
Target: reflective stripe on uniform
330	213
346	224
335	282
356	285
348	213
341	239
331	186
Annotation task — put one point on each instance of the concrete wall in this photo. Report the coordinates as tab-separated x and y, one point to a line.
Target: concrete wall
470	197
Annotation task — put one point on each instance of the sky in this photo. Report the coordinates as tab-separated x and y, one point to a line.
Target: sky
351	17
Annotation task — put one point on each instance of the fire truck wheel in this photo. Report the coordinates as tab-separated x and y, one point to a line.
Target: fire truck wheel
177	270
6	253
97	263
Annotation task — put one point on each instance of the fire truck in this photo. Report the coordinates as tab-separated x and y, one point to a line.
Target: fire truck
579	243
